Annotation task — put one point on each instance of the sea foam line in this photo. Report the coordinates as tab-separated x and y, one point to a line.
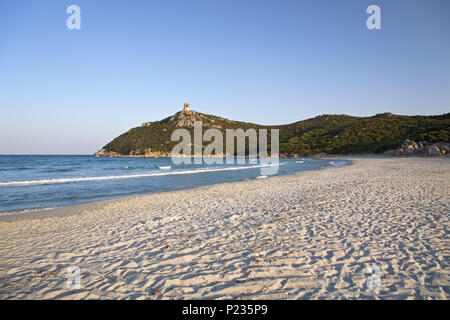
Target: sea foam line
141	175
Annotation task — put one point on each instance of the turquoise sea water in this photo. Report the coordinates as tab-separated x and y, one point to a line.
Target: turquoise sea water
36	182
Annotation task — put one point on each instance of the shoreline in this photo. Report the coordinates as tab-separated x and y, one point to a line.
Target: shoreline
38	213
308	235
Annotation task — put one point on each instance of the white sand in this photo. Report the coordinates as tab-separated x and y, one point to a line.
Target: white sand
305	236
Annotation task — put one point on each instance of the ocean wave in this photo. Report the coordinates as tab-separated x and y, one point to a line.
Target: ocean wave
141	175
339	163
58	170
17	211
15	169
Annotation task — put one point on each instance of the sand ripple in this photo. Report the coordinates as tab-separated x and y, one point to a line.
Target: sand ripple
305	236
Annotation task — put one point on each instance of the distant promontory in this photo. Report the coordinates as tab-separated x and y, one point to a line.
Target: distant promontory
325	134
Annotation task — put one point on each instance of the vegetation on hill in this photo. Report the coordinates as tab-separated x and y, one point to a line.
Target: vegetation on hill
331	134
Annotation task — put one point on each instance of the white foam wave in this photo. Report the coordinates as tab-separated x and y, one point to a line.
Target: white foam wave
18	211
141	175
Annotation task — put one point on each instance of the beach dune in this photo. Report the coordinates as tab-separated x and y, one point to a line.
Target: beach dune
377	229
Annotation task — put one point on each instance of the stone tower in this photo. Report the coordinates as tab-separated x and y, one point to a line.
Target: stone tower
186	107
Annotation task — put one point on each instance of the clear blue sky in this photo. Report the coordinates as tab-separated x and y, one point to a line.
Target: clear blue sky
271	62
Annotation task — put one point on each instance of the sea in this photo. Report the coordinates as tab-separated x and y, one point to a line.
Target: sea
35	182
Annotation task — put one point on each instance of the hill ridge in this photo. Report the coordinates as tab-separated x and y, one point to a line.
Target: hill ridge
327	133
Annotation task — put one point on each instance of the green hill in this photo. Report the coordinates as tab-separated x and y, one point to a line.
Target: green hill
331	134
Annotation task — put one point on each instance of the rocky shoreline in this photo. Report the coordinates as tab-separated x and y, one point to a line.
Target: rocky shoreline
408	148
421	148
147	154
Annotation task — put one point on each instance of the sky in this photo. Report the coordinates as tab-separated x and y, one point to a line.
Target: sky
68	91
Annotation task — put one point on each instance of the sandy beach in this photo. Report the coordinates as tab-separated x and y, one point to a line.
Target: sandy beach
311	235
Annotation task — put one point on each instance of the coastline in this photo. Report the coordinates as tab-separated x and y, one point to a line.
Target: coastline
309	235
70	209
